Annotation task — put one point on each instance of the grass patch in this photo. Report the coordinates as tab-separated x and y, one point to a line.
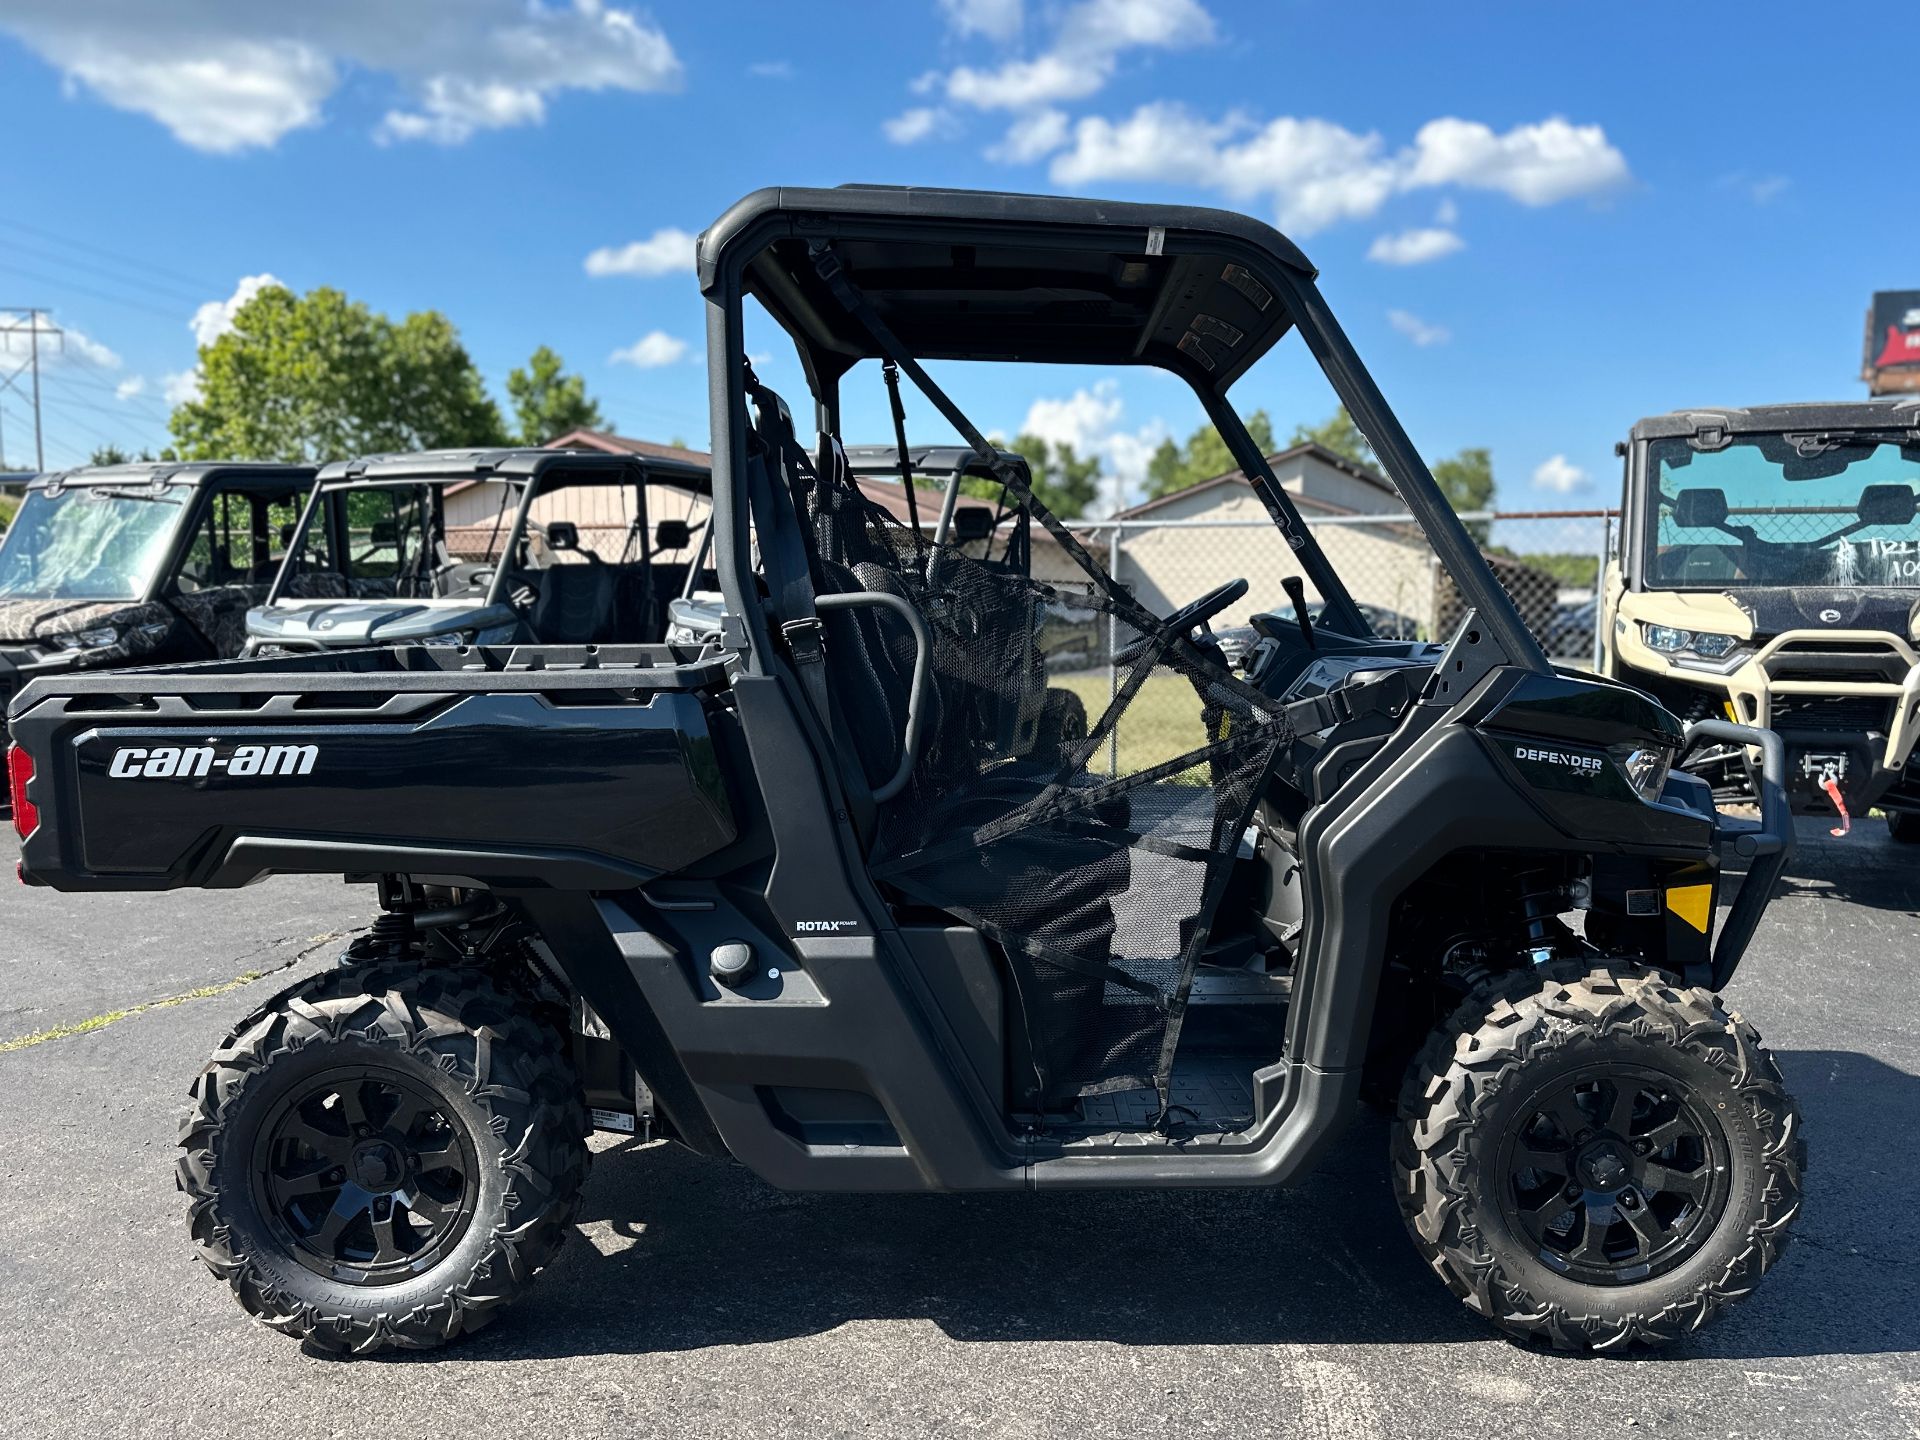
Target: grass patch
1163	721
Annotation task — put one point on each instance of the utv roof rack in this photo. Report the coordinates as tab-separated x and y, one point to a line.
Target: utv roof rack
525	462
158	473
931	460
984	275
1882	413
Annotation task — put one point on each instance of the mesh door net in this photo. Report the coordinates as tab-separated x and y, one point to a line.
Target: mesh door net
1101	888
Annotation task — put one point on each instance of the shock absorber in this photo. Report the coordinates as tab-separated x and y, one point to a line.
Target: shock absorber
1542	897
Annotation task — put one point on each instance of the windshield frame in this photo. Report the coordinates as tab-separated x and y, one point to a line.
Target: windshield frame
1639	531
167	542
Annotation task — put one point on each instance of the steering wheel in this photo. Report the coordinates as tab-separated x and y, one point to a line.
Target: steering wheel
1191	617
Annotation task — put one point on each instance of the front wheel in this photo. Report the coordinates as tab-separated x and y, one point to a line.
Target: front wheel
1594	1158
383	1156
1904	826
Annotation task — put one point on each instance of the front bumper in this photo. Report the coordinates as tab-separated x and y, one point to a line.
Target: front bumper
1846	702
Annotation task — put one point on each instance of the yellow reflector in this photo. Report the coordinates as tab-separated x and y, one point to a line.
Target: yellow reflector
1727	705
1693	904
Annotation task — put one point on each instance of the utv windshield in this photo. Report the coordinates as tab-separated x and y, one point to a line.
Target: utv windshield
89	542
1783	510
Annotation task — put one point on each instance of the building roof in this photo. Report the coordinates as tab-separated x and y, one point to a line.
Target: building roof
887	494
1318	452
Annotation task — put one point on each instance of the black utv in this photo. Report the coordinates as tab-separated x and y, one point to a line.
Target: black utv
139	564
491	547
809	899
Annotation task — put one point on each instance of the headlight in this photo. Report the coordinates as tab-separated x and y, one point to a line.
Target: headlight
89	639
1665	638
1645	767
1707	644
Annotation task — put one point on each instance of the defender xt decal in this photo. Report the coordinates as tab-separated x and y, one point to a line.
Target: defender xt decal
186	762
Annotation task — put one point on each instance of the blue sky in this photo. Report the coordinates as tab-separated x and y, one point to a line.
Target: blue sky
1596	211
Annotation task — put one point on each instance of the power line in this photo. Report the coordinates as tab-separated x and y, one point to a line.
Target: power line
34	252
89	291
129	261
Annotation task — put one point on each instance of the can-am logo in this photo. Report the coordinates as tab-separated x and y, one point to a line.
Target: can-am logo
1557	757
187	762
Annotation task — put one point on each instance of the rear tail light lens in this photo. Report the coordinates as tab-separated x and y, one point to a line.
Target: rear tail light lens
26	819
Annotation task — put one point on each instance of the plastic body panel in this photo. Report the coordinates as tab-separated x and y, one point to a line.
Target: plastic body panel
592	777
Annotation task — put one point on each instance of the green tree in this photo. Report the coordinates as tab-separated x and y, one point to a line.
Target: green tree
1063	480
111	454
1467	481
548	402
1205	455
1339	434
319	376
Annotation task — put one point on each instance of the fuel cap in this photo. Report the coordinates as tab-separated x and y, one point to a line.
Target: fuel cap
731	963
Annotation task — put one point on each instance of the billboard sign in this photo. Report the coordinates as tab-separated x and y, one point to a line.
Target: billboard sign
1892	361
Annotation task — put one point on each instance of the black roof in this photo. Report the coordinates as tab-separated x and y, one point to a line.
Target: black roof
930	460
980	275
552	467
1882	413
172	472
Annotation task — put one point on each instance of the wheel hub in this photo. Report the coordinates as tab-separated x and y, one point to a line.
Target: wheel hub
366	1177
376	1166
1613	1175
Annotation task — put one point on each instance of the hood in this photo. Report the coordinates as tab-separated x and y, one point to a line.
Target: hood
1809	607
347	624
25	621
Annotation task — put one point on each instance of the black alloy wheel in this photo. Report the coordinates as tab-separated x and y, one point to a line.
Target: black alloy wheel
1614	1176
366	1177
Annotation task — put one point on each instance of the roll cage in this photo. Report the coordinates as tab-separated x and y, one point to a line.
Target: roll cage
966	275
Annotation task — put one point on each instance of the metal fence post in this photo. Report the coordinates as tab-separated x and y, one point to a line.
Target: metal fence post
1600	592
1113	645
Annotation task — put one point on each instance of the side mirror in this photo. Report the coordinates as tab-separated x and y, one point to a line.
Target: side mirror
971	523
1887	505
1700	509
672	535
563	535
384	534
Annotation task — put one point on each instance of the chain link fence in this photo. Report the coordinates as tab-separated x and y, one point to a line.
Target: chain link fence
1550	562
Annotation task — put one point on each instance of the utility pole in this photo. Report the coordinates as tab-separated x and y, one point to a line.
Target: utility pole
34	330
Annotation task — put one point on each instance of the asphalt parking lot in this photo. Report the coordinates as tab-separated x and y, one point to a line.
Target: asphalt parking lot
700	1302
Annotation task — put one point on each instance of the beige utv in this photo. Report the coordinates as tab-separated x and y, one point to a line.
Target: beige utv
1768	572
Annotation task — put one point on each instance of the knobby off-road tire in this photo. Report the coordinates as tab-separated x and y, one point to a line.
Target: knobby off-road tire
441	1054
1902	825
1470	1113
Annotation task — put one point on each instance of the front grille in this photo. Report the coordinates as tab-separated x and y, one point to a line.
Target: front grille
1832	714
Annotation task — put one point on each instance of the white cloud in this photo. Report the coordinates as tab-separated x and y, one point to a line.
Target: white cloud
1418	330
1315	172
664	252
229	75
1087	46
1090	420
995	19
1761	189
1561	476
651	351
1031	137
1414	247
182	388
1537	164
1446	214
215	317
131	386
922	122
771	69
58	344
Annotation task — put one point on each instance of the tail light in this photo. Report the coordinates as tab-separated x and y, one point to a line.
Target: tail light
26	818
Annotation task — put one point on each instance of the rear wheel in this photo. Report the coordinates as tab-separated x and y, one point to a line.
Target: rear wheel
1594	1158
383	1156
1904	826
